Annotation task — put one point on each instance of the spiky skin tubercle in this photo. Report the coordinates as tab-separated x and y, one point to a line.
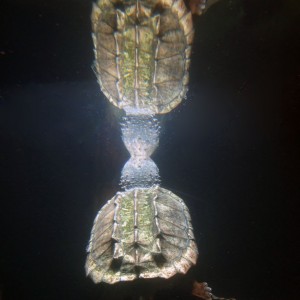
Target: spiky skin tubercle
141	233
142	50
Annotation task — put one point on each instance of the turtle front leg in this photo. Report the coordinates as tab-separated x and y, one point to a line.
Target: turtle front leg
203	291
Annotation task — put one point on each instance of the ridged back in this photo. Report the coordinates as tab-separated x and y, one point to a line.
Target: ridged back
142	51
141	233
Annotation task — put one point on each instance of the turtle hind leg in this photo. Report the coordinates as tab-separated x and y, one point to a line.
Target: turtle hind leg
203	291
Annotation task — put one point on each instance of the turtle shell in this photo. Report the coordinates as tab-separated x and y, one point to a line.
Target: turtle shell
141	233
142	51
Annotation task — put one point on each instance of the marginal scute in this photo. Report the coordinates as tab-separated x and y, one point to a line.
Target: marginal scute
168	272
188	52
95	16
107	84
187	23
185	79
181	268
190	37
148	237
179	8
190	255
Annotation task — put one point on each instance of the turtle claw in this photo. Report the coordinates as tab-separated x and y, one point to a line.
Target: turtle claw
202	290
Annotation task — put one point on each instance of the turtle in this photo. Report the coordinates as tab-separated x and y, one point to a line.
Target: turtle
141	233
142	53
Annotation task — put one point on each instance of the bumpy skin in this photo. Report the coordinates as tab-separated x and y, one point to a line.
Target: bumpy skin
142	50
141	233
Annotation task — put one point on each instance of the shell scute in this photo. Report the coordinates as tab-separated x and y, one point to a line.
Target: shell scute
170	69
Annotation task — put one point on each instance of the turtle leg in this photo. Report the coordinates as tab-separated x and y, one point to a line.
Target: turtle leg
197	6
202	290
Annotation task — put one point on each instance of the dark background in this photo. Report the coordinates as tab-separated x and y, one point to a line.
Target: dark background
231	151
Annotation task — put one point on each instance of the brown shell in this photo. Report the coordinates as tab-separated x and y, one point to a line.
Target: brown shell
141	233
142	51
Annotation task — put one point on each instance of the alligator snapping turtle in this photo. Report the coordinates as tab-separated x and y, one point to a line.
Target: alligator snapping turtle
142	50
141	233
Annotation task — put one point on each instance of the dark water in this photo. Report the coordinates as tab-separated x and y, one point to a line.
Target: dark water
231	151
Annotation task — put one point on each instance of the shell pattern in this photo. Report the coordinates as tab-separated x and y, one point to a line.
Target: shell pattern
142	50
141	233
